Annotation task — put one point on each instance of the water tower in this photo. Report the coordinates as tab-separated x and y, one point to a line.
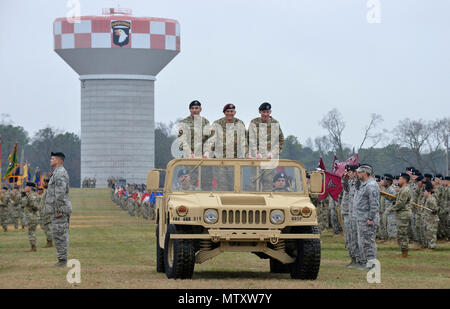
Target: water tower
117	57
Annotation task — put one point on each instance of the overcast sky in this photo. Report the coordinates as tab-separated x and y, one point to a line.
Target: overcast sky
304	57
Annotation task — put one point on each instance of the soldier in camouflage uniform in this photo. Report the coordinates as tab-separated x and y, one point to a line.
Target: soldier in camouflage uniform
130	205
265	148
430	219
417	198
191	146
439	194
351	241
4	200
228	140
59	207
391	221
45	221
31	206
15	203
412	229
403	213
366	206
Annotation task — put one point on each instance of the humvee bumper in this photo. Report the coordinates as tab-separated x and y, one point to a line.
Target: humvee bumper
244	235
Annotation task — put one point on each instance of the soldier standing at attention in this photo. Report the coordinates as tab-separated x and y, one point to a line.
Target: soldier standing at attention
15	204
391	222
430	219
403	213
367	204
189	145
31	207
45	221
58	205
4	199
228	140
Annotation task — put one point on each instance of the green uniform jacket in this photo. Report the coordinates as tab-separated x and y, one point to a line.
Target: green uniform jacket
254	140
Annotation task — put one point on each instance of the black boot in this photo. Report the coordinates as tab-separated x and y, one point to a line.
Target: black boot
61	263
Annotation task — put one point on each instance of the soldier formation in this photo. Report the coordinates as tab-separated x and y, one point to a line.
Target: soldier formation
135	199
408	208
89	183
48	206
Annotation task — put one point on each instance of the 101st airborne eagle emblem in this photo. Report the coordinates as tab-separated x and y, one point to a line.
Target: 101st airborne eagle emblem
121	32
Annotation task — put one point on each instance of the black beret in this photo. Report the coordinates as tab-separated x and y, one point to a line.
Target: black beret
58	154
410	169
428	187
16	187
5	188
428	176
195	103
447	177
377	177
406	176
31	184
265	107
420	178
388	176
396	177
308	176
278	176
416	172
228	106
182	172
40	189
439	176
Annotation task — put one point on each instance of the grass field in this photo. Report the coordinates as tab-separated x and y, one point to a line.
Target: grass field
118	251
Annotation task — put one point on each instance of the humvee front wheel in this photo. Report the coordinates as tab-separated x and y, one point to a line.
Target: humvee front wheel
179	256
307	262
159	254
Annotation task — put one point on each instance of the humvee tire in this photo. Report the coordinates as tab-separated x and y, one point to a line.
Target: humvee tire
276	267
179	256
159	254
307	263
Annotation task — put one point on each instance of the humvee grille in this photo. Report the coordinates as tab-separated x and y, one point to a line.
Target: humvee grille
244	216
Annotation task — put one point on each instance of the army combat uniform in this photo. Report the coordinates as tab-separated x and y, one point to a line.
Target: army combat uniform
15	205
403	213
31	208
57	202
391	221
45	221
430	221
366	206
4	200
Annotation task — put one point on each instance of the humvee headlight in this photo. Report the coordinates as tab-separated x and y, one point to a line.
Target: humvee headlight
295	211
211	216
306	212
182	210
277	216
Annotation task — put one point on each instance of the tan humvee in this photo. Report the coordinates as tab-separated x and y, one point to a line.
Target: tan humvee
210	206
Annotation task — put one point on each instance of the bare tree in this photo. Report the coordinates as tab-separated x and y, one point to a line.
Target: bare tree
335	125
437	142
413	134
323	144
375	137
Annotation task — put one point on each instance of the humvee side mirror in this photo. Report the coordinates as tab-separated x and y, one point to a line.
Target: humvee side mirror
153	181
317	182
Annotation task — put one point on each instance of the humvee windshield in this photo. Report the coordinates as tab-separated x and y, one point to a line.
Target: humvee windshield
203	178
280	179
221	178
